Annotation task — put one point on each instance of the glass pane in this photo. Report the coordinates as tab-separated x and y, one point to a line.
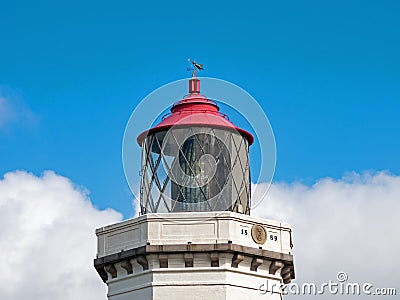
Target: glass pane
195	169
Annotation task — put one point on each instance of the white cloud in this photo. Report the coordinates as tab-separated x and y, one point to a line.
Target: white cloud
347	225
13	110
47	242
6	112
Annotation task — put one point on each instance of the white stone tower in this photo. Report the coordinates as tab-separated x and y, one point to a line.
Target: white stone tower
195	238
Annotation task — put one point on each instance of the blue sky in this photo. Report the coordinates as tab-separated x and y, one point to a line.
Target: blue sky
71	73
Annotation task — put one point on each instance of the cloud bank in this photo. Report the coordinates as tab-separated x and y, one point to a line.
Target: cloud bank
348	225
47	242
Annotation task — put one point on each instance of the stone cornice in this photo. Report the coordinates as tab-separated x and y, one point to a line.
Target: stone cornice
279	261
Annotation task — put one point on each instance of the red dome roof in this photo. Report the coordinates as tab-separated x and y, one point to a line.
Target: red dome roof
195	110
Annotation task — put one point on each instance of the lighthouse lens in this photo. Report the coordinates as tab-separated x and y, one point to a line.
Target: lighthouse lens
195	169
205	161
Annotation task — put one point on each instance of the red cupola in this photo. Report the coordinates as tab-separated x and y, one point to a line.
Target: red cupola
195	159
195	110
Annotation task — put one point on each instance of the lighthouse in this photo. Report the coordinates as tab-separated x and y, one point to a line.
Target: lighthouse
195	237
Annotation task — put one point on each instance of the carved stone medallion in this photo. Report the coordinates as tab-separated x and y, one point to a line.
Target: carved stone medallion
259	234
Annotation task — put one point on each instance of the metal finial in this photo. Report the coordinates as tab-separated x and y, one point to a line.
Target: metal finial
194	67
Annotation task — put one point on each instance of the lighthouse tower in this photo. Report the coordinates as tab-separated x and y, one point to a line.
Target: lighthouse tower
195	238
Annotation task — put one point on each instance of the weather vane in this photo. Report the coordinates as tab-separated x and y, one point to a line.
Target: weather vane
194	67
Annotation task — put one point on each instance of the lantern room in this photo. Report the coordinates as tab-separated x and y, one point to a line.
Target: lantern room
195	160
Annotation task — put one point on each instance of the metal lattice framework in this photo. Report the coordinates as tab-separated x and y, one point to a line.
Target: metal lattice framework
195	169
